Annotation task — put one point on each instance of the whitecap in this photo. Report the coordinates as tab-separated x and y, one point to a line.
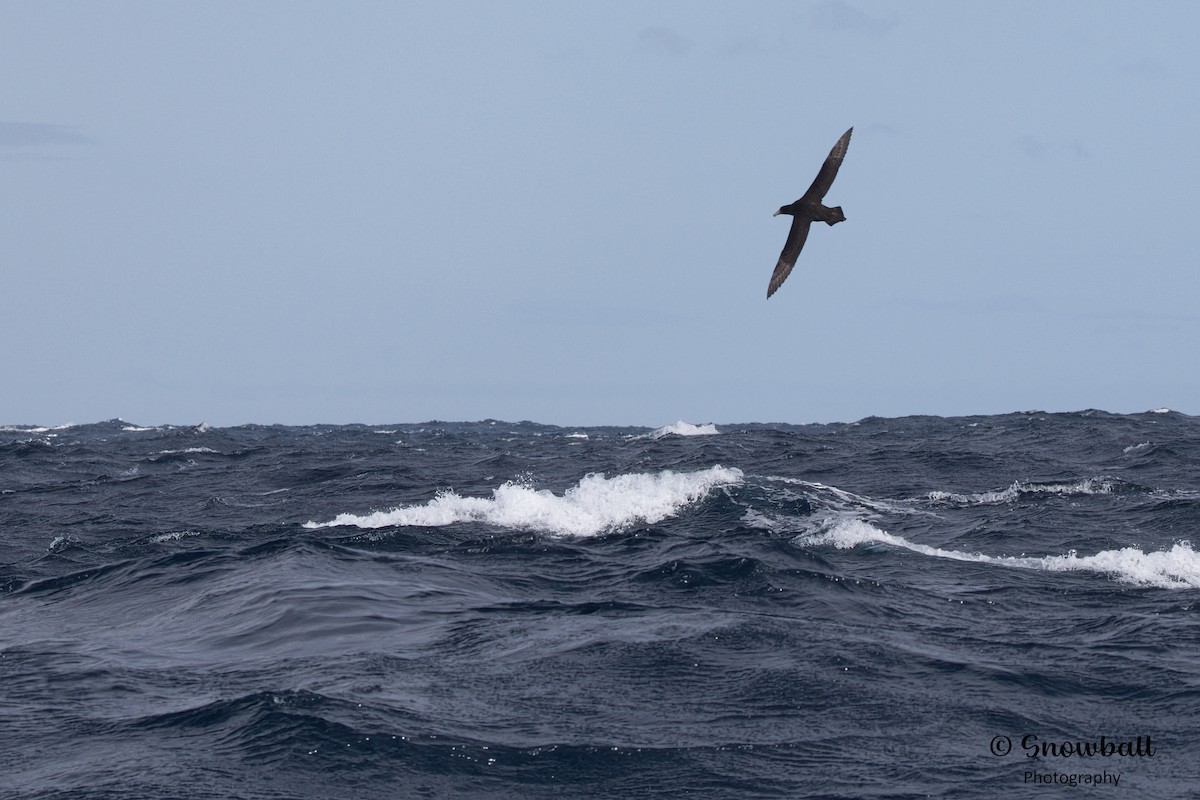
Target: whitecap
1018	488
1176	568
596	505
173	536
682	428
36	428
61	543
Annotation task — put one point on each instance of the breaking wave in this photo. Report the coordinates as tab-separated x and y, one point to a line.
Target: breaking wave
1019	488
1176	568
682	428
597	504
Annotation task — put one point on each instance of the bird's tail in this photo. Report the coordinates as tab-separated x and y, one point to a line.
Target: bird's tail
835	216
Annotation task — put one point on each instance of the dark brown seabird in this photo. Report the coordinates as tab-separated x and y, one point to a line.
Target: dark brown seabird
809	209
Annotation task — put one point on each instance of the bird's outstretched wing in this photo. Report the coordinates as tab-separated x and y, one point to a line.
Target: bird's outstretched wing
791	249
820	185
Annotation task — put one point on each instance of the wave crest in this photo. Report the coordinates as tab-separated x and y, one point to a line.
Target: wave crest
682	428
1176	568
1019	488
595	505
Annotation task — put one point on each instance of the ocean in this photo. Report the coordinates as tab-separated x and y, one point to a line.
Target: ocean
920	607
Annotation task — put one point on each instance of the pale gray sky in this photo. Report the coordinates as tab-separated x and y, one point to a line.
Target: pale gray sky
395	211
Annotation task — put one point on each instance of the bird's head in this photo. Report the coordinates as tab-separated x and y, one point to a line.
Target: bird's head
782	210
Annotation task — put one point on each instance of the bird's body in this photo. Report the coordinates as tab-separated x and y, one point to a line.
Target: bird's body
809	209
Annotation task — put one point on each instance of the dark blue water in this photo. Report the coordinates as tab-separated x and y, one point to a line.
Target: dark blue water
894	608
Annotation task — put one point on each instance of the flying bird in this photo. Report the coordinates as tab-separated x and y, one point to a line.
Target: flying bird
807	210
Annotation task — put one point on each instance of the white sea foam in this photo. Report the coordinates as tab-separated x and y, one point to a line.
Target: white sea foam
186	450
63	542
841	499
173	536
1176	568
595	505
35	428
1018	488
1134	447
576	436
682	428
1160	411
139	428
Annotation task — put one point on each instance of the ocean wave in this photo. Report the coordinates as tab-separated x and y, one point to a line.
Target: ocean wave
35	428
173	536
1019	488
682	428
595	505
840	499
1176	568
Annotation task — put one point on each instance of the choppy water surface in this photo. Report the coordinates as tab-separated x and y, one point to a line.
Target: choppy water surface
517	610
